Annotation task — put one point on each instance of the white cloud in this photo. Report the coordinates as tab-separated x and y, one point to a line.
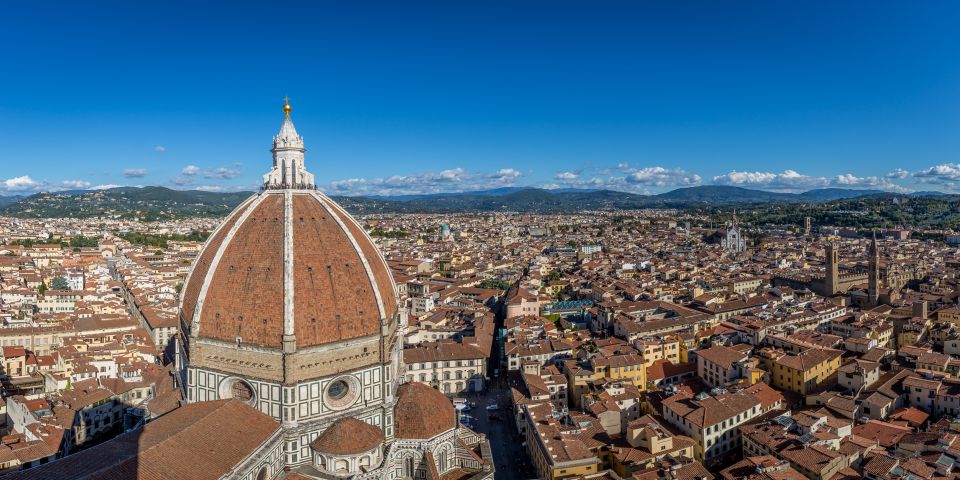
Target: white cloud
24	185
221	173
190	170
793	181
135	173
943	173
76	184
449	180
507	173
849	180
627	179
898	173
19	184
219	188
662	177
160	149
787	180
183	181
105	186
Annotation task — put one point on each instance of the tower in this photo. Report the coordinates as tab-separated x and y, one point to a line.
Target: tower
807	224
831	279
873	279
288	167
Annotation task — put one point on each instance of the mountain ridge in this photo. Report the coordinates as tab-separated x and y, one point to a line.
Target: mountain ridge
154	202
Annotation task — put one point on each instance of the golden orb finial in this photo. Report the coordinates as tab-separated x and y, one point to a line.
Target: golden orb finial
286	105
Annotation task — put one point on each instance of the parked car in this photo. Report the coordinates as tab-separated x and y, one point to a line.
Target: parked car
492	408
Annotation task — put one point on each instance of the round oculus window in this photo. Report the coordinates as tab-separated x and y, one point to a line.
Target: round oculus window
338	389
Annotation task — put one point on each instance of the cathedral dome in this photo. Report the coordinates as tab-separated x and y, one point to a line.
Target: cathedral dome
289	268
348	436
422	412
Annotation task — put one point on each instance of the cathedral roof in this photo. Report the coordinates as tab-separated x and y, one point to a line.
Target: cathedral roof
348	436
289	262
198	441
422	412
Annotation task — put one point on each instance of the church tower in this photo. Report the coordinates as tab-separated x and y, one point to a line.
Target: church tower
873	280
831	278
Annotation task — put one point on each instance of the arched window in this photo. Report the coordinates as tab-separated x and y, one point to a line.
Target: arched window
443	458
446	388
409	468
263	473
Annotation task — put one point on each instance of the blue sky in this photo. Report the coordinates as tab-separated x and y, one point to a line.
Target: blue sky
407	97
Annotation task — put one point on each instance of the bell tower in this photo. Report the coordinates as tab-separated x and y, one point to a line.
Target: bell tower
831	278
873	279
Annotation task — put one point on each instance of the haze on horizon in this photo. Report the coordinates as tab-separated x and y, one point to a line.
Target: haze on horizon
429	97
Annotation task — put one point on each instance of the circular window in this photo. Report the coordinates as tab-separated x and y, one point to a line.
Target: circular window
341	392
338	389
241	391
238	388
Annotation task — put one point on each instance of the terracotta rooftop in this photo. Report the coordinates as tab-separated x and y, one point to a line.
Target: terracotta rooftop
348	436
200	441
422	412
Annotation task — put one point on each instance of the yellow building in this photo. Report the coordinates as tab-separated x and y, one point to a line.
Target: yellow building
805	372
578	380
556	452
648	441
949	314
688	343
659	348
630	368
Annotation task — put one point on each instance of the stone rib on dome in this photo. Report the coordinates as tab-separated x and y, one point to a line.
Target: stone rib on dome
348	436
341	287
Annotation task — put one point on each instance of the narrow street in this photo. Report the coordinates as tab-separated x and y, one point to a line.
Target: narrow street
510	456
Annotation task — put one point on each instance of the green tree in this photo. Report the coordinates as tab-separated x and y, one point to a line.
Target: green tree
42	288
59	283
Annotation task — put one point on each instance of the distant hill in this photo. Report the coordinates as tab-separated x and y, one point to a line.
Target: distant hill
7	200
724	194
126	202
161	202
831	194
728	194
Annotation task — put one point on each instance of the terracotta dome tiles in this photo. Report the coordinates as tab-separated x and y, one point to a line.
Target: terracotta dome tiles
348	436
341	303
191	291
341	286
422	412
245	295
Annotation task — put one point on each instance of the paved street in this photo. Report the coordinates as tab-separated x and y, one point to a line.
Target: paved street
509	455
